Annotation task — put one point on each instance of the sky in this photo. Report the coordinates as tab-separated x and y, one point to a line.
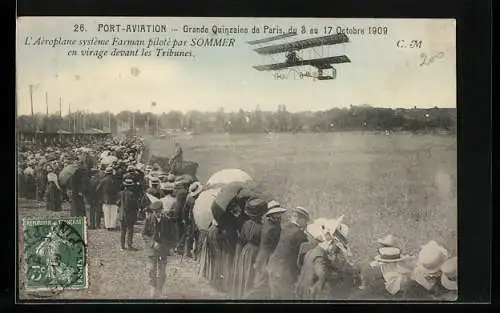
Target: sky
380	73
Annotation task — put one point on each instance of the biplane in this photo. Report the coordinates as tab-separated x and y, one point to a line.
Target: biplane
292	58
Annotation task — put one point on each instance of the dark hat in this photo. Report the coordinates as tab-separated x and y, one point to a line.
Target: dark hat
255	207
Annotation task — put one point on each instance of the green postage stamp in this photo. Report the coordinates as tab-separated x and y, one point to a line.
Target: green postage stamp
54	253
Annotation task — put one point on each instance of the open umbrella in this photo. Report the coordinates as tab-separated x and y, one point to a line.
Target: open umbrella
227	176
235	191
67	173
202	210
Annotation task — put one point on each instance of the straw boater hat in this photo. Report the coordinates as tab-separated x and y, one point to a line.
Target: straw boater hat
449	274
128	182
171	178
195	188
387	241
167	186
302	211
273	204
154	181
389	255
276	210
431	257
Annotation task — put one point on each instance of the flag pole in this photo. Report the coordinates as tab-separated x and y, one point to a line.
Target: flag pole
47	103
31	100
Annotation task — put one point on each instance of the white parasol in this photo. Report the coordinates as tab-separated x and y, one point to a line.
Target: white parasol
202	210
227	176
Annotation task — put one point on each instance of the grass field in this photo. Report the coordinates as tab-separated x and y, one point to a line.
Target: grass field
401	184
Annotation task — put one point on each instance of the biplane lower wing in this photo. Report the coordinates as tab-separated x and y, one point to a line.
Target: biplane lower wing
322	63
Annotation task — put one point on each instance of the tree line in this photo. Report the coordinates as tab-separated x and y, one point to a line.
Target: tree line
353	118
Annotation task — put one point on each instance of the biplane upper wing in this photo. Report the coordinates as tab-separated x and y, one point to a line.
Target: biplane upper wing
303	44
264	40
319	63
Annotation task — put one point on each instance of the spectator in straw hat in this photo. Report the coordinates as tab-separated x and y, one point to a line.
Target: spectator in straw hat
159	238
53	191
316	264
249	240
427	272
168	199
107	191
282	266
190	228
129	206
449	274
155	190
388	275
269	237
448	290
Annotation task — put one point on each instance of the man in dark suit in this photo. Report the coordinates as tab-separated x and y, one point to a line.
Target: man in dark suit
94	215
270	235
129	205
282	266
160	235
107	190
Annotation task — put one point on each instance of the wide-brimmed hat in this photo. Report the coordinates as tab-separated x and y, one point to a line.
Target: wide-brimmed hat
387	241
431	257
333	224
273	204
275	210
195	188
128	182
171	178
389	255
449	274
317	229
255	207
167	186
302	211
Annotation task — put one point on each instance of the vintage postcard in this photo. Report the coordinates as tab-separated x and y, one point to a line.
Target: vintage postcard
236	158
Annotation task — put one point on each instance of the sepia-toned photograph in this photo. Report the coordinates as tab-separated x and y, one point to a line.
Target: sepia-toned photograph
228	159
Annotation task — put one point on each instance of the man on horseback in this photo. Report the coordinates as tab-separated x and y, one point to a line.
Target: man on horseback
176	159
